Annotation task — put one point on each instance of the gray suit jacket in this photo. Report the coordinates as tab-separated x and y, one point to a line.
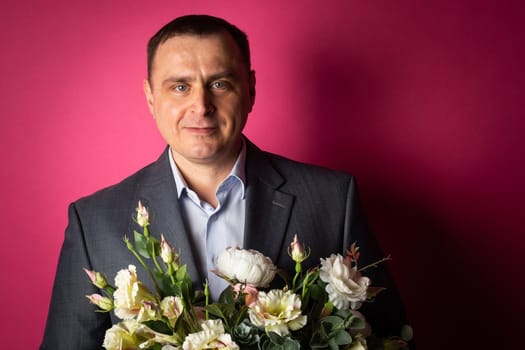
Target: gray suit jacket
283	198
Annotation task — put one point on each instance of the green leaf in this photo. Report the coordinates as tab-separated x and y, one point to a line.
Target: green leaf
275	338
159	326
181	274
354	322
316	292
291	344
333	345
216	310
141	244
227	296
342	337
330	323
153	246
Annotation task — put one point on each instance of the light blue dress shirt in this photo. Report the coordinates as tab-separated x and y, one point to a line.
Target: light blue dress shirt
214	229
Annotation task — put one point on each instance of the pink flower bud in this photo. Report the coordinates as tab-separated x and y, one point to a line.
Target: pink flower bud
104	303
97	278
297	250
166	251
142	215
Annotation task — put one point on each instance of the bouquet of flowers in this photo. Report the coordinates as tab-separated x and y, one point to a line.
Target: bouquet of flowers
316	309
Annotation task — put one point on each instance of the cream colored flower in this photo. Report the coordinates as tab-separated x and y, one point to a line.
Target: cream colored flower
246	266
171	307
345	285
212	336
130	293
278	312
122	336
148	311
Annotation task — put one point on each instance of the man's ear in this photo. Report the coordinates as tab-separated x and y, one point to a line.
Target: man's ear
252	89
149	96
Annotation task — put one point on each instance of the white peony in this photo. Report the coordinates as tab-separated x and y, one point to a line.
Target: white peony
246	266
130	293
345	285
277	311
212	336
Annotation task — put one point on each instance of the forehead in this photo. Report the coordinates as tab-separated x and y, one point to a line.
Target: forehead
194	50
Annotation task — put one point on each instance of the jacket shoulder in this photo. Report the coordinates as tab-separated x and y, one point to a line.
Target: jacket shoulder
113	196
295	171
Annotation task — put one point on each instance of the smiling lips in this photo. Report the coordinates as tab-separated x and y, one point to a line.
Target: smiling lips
201	130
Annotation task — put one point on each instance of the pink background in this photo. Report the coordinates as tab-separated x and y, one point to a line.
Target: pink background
421	100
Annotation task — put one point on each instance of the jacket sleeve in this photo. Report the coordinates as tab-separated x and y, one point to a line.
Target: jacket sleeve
386	313
72	322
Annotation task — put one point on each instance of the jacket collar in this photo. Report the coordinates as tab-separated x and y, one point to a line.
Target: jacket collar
267	208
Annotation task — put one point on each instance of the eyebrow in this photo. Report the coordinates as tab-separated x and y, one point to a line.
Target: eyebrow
185	79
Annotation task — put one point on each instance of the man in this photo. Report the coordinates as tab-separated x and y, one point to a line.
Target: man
211	188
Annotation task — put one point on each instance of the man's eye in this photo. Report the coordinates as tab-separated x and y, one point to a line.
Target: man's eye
219	85
180	88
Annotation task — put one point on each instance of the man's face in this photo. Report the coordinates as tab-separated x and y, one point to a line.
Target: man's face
200	93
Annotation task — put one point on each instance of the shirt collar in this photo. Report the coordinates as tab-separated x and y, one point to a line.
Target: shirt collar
238	171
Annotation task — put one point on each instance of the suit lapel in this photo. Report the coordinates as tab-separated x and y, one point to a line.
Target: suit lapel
267	209
159	193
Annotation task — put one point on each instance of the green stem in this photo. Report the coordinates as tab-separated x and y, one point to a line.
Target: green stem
305	287
143	263
152	253
298	270
207	296
374	264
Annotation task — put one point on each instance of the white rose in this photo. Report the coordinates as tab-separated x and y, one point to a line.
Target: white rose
212	336
130	293
246	266
345	285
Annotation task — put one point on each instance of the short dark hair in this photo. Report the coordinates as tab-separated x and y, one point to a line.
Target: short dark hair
198	25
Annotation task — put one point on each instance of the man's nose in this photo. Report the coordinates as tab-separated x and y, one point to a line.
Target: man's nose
202	101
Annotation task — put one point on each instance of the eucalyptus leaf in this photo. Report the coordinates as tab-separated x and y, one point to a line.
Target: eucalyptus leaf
355	322
342	337
332	345
332	323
